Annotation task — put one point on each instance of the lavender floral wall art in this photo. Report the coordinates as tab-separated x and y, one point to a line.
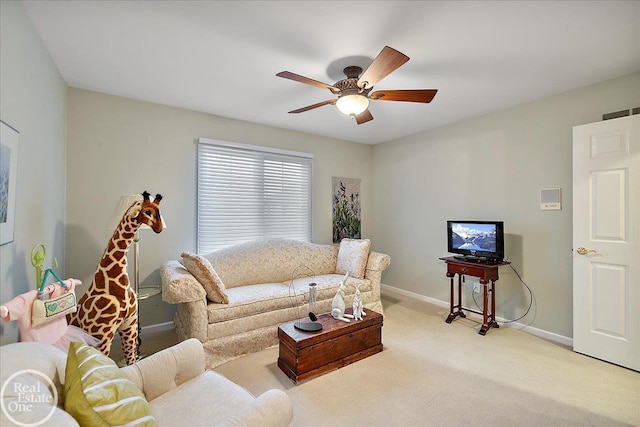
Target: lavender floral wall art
346	208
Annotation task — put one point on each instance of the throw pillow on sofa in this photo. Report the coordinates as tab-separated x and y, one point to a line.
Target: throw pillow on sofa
204	272
97	393
352	257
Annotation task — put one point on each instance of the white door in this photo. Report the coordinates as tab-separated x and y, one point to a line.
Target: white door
606	240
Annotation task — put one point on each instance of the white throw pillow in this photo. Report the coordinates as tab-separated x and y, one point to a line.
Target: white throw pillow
352	257
202	270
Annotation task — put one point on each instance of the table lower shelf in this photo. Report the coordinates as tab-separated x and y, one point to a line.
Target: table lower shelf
458	312
145	292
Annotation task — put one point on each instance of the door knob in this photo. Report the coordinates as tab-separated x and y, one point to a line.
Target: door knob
584	251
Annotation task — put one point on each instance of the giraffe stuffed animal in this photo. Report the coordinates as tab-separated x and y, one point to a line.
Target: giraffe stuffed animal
109	304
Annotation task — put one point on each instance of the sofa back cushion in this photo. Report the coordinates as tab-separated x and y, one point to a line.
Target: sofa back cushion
272	260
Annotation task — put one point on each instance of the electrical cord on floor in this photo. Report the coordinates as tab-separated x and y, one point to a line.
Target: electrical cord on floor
530	298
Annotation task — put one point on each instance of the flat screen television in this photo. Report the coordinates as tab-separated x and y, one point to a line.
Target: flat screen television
476	240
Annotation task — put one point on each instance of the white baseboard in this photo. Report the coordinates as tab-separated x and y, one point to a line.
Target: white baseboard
158	327
560	339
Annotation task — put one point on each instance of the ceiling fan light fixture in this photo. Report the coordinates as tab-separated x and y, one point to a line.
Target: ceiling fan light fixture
352	104
354	92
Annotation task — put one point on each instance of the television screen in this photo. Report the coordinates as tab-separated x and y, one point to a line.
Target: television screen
476	239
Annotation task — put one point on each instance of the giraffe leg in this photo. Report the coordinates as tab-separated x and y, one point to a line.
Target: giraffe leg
100	317
105	342
129	336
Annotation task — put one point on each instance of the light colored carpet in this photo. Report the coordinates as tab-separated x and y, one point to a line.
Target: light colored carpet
431	373
438	374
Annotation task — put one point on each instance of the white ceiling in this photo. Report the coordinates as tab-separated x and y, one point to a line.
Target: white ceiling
221	57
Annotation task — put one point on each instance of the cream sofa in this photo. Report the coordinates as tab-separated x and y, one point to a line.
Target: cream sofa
174	381
266	284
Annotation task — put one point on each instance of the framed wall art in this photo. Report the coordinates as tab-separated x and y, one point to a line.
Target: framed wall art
346	208
8	176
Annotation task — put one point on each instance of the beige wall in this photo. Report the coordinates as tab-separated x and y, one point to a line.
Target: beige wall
119	146
32	100
492	167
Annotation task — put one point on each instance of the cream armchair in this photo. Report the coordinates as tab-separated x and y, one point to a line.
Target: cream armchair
178	388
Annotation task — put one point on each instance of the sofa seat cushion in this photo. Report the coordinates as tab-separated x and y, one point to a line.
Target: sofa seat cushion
245	301
270	320
197	394
271	261
268	409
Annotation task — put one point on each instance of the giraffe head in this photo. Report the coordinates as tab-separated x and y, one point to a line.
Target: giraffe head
149	212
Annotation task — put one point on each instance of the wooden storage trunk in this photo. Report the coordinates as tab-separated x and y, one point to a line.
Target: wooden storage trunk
305	355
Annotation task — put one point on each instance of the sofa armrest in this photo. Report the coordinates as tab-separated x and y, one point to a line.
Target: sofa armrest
271	409
178	285
378	261
167	369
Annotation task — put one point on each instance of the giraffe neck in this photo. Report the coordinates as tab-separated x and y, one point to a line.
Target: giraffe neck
113	264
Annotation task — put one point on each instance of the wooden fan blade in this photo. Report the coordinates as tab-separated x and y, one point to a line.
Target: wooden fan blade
364	117
416	95
298	78
311	107
386	62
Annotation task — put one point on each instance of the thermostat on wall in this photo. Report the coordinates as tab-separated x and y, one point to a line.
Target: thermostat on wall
550	199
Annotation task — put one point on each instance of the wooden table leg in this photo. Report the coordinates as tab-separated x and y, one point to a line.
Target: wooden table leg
451	302
455	309
485	299
493	322
460	295
488	320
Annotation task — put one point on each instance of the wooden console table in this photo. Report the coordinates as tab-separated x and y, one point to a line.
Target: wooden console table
488	275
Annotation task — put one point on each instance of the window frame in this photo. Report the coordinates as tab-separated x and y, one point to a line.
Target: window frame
282	166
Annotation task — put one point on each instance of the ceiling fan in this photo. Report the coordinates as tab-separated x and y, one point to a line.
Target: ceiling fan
354	92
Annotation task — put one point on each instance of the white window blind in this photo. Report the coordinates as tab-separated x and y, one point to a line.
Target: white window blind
248	192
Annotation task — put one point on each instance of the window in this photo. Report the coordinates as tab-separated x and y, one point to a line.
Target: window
247	192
